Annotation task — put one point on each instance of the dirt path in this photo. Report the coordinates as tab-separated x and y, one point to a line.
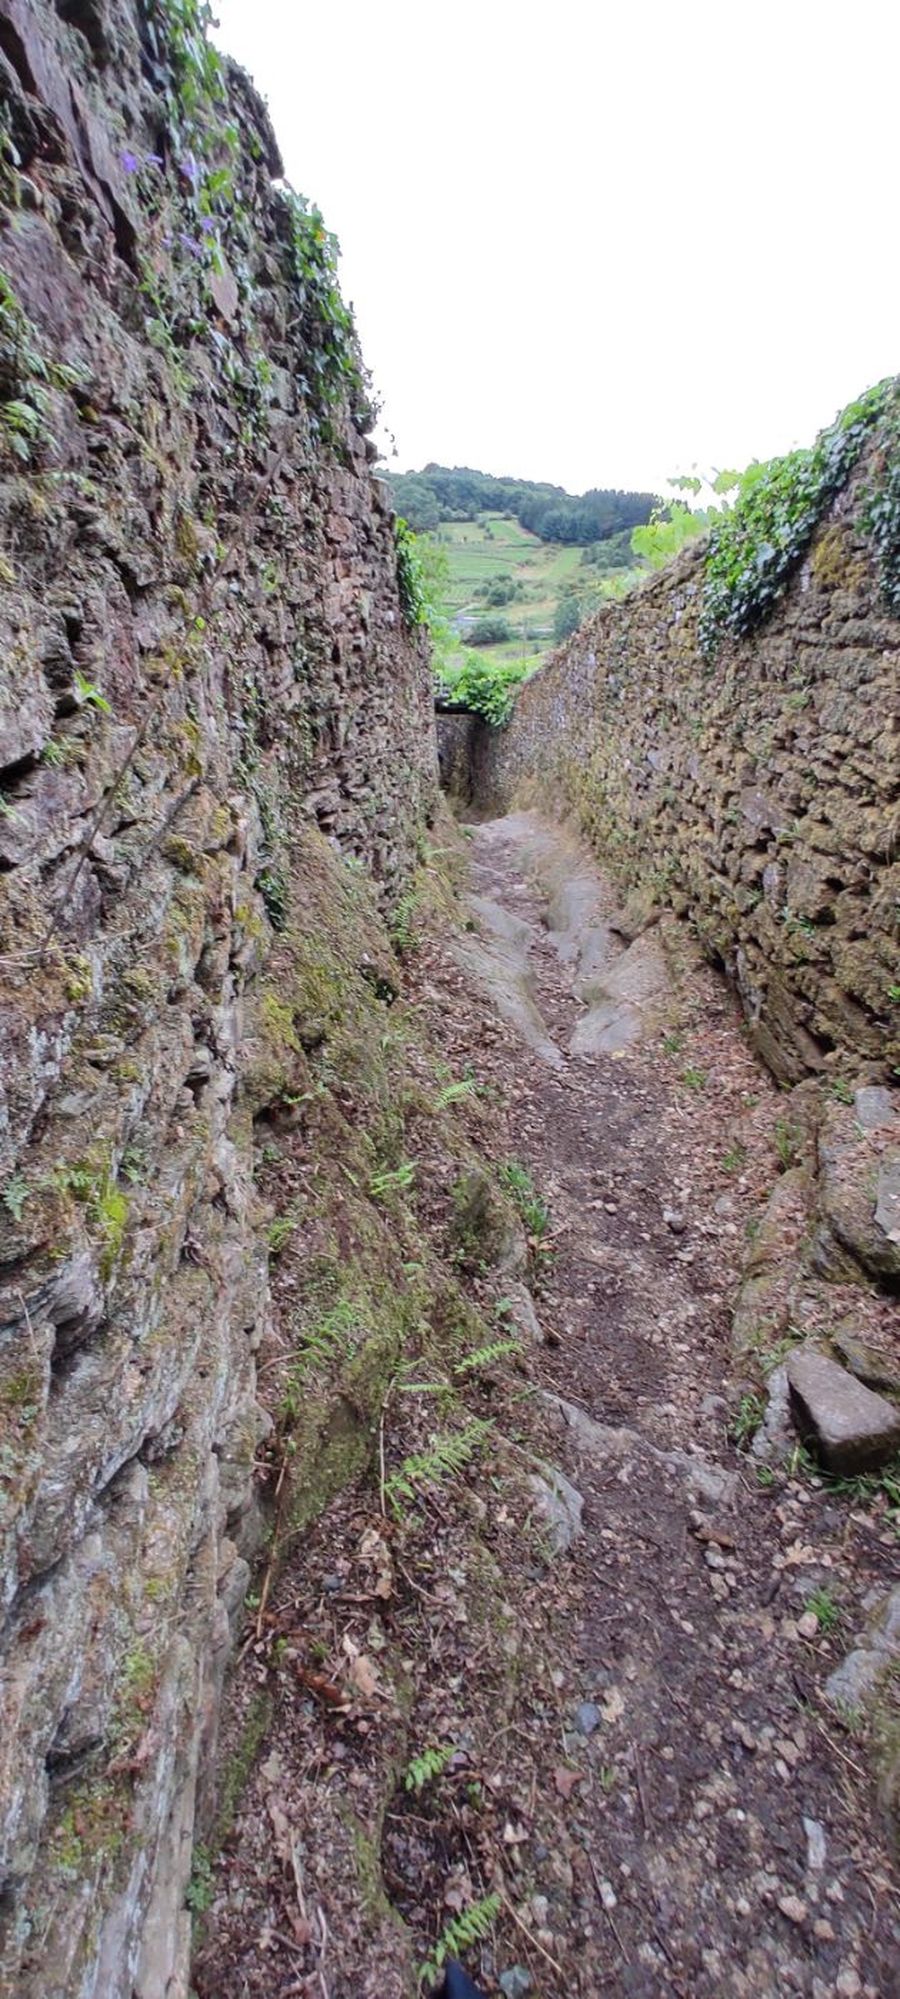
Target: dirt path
735	1860
646	1768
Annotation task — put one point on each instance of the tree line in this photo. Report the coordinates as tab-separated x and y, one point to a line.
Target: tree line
439	493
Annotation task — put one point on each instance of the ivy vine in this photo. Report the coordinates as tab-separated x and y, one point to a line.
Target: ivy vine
411	580
881	510
332	362
754	547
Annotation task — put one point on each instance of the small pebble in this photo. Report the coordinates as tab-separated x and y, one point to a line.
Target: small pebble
792	1907
587	1718
515	1982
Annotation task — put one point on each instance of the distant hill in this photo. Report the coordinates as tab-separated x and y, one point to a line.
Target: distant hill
442	493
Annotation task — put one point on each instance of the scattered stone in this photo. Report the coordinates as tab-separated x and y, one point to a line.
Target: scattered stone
521	1314
587	1718
851	1429
792	1907
774	1441
808	1625
515	1983
559	1507
816	1846
674	1220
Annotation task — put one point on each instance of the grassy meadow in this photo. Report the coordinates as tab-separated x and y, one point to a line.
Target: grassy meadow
493	549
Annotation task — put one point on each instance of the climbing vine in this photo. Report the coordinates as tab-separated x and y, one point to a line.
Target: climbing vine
754	547
332	365
411	580
881	511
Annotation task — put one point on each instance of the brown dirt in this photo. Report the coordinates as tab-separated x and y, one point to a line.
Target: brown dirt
706	1824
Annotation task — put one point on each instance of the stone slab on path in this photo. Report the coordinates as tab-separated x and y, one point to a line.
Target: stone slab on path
851	1429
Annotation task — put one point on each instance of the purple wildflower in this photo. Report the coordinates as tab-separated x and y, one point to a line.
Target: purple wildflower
190	244
153	159
208	225
191	170
130	162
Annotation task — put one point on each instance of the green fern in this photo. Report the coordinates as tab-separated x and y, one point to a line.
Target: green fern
424	1769
461	1933
446	1457
455	1093
393	1181
472	1363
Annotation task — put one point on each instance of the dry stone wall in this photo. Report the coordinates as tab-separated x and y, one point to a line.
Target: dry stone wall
759	794
204	671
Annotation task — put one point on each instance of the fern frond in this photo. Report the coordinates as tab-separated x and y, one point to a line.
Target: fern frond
456	1092
448	1453
486	1356
461	1933
423	1769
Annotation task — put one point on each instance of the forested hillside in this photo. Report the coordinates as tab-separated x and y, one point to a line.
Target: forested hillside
437	494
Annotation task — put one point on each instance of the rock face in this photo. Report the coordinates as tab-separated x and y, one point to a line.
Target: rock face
757	795
859	1183
206	676
850	1429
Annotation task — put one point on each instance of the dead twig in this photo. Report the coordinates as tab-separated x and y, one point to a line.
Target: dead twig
526	1932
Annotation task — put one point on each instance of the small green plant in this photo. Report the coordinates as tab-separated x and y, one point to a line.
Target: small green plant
533	1210
199	1891
693	1079
15	1194
91	696
893	993
447	1455
394	1180
487	1356
456	1093
765	1476
279	1233
734	1158
423	1769
750	1413
461	1934
787	1142
402	927
673	1043
824	1607
337	1329
842	1091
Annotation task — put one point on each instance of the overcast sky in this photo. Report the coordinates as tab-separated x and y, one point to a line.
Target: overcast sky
596	245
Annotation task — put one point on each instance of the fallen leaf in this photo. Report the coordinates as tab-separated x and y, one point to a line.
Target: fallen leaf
566	1780
324	1689
612	1706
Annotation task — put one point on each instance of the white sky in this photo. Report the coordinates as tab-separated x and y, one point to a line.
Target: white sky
598	244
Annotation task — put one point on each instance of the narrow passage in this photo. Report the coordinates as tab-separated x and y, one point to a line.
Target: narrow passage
599	1713
742	1853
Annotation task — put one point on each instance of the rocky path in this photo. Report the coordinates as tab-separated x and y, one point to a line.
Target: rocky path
725	1815
618	1661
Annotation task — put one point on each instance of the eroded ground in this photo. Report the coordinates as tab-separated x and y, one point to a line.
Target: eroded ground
625	1741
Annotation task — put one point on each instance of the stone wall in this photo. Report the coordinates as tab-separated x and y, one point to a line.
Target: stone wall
204	671
758	795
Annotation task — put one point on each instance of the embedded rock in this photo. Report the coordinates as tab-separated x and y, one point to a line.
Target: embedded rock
859	1181
558	1508
850	1429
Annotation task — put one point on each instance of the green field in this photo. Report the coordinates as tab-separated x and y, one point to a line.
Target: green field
493	549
